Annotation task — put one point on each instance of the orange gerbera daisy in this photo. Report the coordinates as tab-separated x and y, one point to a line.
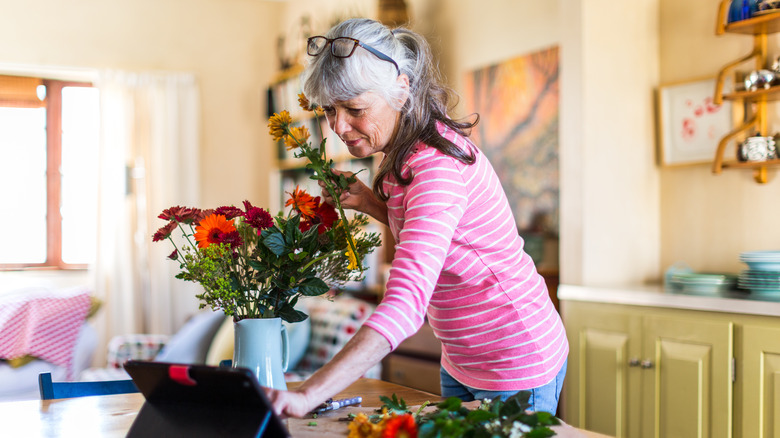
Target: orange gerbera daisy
278	125
303	202
296	138
213	229
400	426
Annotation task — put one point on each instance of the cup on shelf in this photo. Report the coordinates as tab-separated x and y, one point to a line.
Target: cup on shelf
757	148
760	79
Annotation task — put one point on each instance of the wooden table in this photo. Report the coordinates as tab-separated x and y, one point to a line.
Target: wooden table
112	415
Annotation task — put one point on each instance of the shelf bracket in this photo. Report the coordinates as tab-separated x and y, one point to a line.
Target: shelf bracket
723	10
717	165
760	175
718	98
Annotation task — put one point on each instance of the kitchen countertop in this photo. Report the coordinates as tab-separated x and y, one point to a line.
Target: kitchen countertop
656	296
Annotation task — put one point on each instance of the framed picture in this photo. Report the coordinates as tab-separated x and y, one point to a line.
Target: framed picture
690	124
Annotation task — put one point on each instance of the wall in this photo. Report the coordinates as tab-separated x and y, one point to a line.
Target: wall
226	43
706	219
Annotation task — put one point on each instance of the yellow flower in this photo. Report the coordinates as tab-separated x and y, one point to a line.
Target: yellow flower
296	137
279	124
303	101
362	427
353	262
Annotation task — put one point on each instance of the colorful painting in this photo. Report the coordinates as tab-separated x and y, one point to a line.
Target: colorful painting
517	101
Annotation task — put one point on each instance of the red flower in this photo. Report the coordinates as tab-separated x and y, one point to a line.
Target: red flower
400	426
229	212
164	232
324	216
174	255
213	229
256	217
181	214
232	238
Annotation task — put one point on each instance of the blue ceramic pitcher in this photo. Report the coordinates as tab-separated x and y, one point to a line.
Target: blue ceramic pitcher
261	345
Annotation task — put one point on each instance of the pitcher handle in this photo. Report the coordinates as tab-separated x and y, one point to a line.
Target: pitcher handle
285	349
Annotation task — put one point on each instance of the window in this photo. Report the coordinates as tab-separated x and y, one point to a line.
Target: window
49	132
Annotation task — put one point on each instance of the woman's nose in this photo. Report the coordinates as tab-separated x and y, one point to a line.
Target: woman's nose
339	124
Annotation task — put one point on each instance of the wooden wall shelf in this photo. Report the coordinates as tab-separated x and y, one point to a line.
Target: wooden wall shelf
758	27
769	94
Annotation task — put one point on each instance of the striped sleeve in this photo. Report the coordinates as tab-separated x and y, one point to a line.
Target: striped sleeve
429	210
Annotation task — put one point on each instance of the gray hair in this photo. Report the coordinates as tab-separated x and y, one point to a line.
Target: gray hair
328	79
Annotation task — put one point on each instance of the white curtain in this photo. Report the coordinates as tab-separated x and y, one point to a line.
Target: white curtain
149	161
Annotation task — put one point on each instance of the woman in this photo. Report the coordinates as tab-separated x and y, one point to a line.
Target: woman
458	256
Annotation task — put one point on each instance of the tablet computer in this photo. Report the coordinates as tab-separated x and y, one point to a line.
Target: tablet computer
201	401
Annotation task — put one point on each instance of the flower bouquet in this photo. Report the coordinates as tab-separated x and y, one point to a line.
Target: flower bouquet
252	265
491	419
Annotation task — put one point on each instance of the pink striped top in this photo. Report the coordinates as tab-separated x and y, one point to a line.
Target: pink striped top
459	257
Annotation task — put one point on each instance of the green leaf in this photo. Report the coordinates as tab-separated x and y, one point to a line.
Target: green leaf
394	404
479	415
516	404
291	231
275	242
541	432
312	287
290	314
450	404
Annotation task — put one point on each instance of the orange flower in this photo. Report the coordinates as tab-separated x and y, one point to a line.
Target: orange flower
296	137
400	426
213	229
278	125
303	202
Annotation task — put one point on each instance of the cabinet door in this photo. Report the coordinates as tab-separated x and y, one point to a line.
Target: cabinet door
686	378
760	381
597	390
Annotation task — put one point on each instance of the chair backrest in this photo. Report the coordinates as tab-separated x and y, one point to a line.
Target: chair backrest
52	390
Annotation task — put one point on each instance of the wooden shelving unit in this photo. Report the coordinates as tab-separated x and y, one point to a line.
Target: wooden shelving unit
756	121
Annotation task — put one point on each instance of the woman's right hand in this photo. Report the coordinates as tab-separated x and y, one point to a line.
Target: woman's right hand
358	196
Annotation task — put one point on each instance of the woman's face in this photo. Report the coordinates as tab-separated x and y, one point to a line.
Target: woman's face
365	123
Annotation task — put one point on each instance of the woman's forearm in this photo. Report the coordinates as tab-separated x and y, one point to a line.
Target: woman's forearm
377	210
366	349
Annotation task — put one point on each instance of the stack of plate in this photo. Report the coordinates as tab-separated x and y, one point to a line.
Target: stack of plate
703	284
762	278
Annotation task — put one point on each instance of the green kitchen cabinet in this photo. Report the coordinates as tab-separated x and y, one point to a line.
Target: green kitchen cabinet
636	372
687	377
759	375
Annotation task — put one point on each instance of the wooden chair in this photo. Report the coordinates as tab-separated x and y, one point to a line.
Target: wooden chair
53	390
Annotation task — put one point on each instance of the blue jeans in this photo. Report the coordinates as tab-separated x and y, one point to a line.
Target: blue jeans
543	399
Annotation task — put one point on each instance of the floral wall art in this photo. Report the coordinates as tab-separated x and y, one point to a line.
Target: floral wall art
517	101
690	124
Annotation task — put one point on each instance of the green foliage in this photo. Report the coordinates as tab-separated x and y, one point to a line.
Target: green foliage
268	273
492	419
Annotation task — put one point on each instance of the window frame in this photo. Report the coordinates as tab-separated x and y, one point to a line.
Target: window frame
53	180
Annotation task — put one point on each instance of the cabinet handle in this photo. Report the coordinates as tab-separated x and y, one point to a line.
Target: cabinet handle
633	362
646	364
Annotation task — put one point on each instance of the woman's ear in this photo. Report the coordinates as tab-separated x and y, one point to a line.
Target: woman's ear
403	81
